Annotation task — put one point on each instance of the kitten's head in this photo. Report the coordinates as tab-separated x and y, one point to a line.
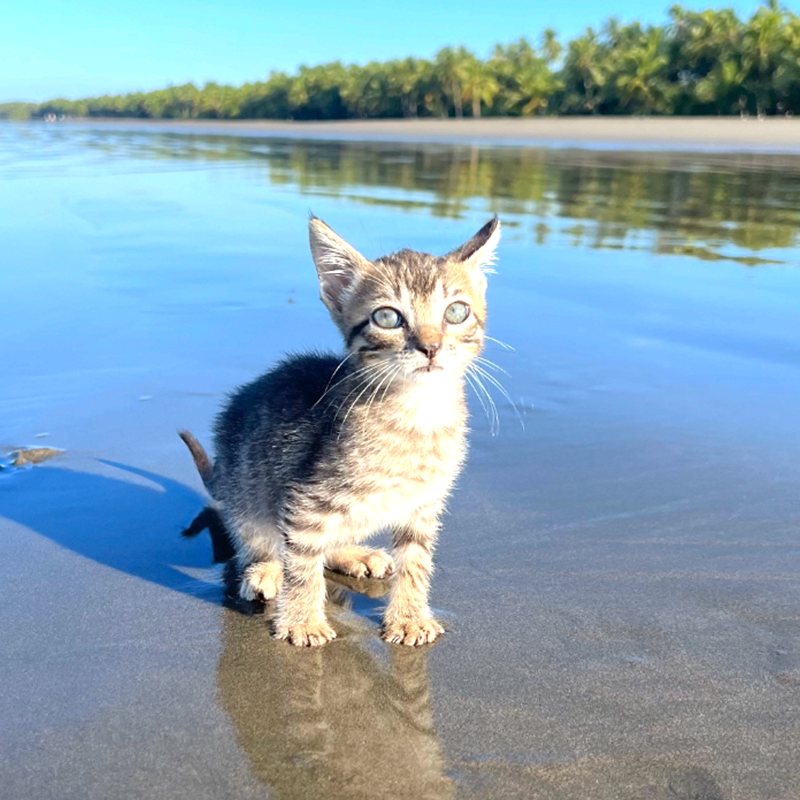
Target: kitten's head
414	315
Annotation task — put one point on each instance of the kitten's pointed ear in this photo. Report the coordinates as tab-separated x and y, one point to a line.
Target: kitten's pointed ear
480	252
338	264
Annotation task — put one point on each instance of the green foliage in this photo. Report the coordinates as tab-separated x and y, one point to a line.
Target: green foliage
700	62
19	111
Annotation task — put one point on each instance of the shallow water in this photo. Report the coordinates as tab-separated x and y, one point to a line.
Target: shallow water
620	570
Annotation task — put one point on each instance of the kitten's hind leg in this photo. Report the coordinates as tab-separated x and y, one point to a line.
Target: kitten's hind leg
261	580
259	558
360	562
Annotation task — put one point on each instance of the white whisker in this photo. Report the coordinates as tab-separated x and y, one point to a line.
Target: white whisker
389	385
491	365
369	369
489	377
485	407
349	376
497	341
381	372
328	386
494	416
391	376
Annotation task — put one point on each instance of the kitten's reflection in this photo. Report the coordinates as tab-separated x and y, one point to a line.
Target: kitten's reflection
349	720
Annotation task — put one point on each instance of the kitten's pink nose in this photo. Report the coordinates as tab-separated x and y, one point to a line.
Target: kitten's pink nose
429	348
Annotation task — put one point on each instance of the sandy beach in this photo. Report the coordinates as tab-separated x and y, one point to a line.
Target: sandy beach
619	570
773	134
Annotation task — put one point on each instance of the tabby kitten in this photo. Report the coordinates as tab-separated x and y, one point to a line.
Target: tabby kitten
322	451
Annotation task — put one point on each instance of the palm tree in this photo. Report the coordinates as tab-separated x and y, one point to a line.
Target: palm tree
407	79
525	76
724	86
452	65
787	75
551	47
641	78
705	57
364	90
584	72
315	92
480	86
762	44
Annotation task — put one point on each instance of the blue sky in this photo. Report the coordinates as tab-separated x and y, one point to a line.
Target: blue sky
77	48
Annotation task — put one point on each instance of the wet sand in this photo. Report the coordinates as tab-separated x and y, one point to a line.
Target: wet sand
620	578
772	134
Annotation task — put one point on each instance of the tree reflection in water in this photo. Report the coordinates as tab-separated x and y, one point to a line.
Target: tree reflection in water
742	207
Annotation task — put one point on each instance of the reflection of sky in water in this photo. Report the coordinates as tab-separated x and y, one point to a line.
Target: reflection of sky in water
137	252
114	236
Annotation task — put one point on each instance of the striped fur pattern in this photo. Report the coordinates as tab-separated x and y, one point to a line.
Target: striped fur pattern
323	451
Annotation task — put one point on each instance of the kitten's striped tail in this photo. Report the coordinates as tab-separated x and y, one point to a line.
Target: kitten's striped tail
201	460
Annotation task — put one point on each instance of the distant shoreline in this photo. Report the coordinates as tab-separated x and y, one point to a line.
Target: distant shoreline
731	134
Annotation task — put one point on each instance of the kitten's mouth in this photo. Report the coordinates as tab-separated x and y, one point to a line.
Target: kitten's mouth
429	368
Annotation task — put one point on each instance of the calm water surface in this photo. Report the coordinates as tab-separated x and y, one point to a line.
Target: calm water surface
665	275
620	567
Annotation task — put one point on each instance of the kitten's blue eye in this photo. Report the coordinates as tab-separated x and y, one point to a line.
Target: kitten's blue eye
456	313
387	318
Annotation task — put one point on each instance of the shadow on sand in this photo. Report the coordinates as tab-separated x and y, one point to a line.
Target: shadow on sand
125	518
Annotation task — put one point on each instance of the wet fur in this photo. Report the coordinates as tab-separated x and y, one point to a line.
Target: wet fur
323	451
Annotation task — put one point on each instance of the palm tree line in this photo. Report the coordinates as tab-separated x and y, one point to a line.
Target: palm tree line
699	62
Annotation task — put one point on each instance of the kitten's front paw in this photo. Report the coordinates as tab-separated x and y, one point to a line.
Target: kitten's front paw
361	562
261	580
412	632
309	635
